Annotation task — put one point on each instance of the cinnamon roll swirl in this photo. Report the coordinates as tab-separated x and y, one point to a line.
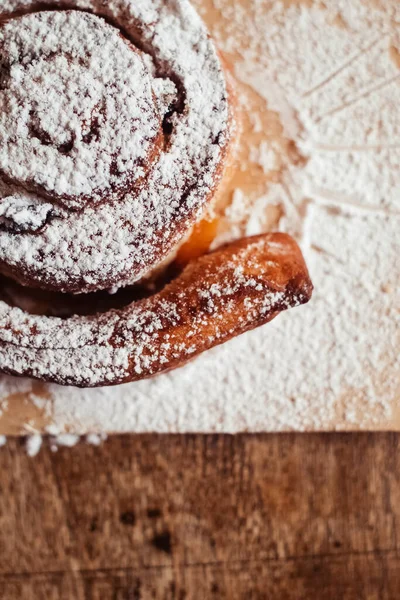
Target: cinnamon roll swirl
116	122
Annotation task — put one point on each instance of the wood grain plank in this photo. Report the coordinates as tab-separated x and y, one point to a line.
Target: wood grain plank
33	527
368	576
174	501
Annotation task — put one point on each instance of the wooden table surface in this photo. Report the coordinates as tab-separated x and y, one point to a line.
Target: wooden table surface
178	517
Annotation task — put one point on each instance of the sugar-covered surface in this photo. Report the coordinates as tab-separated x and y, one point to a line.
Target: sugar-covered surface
215	298
77	113
333	364
88	109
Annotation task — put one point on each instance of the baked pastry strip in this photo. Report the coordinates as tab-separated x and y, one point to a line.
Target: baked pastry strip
215	298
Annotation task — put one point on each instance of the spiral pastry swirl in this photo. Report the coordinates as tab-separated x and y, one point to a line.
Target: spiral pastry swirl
115	126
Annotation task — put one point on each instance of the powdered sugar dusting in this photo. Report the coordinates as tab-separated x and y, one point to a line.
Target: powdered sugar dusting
33	445
81	102
219	296
335	362
107	109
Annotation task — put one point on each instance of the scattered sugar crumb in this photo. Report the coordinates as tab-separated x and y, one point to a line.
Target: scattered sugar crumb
33	444
95	439
52	429
66	439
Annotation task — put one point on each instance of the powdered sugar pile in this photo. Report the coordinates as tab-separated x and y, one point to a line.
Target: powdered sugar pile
329	69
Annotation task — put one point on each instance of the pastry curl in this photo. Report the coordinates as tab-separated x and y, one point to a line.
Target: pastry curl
216	297
116	125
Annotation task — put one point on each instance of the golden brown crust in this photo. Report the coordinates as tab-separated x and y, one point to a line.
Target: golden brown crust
274	262
217	297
